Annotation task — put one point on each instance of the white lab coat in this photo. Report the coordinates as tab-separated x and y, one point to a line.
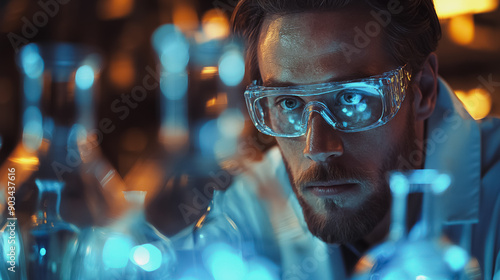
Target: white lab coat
262	203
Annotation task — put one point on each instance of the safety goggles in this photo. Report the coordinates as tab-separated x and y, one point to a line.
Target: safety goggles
348	106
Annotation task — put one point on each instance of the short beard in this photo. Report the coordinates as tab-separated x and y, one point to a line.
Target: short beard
340	225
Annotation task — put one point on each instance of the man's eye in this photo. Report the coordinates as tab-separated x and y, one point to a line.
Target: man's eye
289	103
349	98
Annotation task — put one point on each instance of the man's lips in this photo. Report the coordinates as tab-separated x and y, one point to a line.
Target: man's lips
330	188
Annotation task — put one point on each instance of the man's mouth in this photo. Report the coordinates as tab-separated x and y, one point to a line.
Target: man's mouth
330	188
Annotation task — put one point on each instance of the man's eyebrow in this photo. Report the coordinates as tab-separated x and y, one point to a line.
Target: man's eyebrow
352	76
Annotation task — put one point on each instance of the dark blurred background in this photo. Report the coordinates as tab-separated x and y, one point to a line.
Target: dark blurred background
469	57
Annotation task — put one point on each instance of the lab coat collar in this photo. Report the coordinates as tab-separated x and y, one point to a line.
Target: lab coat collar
454	147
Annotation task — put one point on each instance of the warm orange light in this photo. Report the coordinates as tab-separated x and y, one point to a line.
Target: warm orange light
461	29
121	70
114	9
25	160
477	102
208	72
185	18
147	176
215	25
451	8
220	100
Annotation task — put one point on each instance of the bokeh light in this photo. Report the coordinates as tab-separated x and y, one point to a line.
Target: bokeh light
451	8
174	85
172	48
232	68
31	61
116	251
223	262
84	77
477	101
461	29
215	25
456	257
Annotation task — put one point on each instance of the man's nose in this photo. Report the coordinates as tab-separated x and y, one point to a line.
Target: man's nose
322	140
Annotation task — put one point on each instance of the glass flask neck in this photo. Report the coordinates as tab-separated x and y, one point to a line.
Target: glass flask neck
58	88
432	216
49	200
216	206
399	189
135	201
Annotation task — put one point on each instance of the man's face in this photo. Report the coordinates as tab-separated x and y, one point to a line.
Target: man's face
339	178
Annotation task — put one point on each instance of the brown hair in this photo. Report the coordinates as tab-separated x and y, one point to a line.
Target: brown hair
412	34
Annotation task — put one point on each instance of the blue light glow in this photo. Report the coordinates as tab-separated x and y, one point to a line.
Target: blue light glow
155	259
116	251
174	86
456	257
399	184
147	256
361	107
31	61
43	252
441	183
84	77
139	255
172	48
232	68
224	263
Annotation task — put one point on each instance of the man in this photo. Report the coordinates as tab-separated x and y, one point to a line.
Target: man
350	90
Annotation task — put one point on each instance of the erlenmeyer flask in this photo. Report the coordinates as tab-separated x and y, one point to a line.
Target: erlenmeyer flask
128	249
423	253
49	234
60	141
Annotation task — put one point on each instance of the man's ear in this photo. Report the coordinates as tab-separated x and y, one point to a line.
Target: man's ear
425	88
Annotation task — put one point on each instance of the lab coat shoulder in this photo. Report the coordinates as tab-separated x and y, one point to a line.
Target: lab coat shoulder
490	195
490	142
244	205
